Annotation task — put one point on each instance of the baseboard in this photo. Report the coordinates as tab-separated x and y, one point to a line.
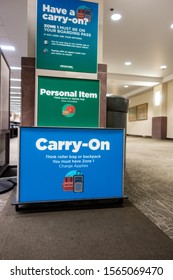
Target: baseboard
143	136
135	135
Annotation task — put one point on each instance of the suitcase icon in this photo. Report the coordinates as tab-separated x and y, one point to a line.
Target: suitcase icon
85	13
68	184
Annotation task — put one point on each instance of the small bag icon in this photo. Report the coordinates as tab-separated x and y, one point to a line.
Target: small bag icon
78	182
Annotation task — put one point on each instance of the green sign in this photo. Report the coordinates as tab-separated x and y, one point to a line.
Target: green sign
68	102
67	33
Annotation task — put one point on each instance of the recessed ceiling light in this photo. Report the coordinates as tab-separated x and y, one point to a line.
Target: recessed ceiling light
163	67
7	48
116	16
126	86
128	63
171	26
15	68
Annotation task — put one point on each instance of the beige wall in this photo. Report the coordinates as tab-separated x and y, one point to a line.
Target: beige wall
170	110
143	127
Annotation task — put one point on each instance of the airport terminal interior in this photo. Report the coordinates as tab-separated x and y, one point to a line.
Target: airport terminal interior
134	82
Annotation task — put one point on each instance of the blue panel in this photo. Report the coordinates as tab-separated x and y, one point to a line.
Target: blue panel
61	164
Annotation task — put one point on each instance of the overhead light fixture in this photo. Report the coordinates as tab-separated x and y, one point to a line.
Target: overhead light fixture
7	48
15	101
163	67
15	68
115	16
126	86
171	26
15	80
16	87
128	63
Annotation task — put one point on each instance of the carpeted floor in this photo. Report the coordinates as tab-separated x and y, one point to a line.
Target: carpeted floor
108	233
149	179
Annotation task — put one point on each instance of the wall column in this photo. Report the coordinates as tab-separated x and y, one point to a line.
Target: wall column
159	120
27	91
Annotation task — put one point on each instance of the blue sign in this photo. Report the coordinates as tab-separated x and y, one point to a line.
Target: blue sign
67	33
67	164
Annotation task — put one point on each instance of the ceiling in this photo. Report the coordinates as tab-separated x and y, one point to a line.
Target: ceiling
142	36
